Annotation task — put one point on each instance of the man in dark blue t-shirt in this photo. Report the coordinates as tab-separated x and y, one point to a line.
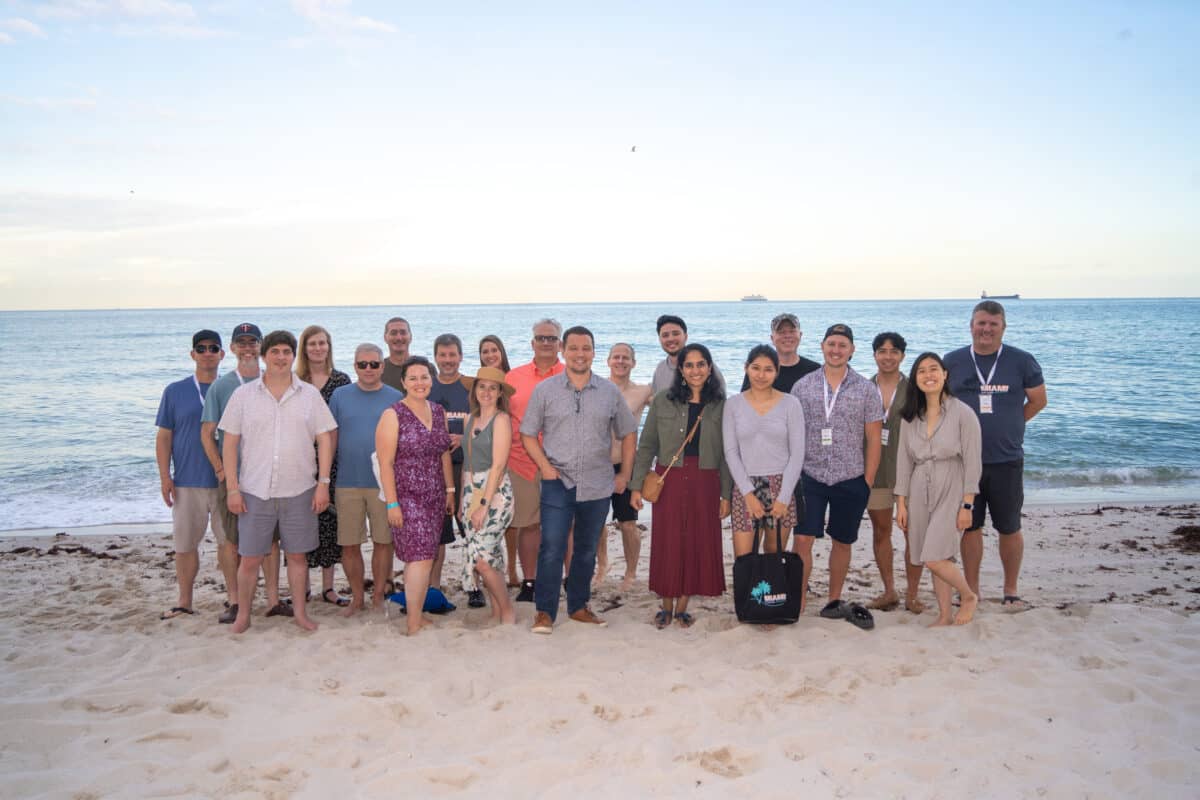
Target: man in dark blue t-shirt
452	391
1004	385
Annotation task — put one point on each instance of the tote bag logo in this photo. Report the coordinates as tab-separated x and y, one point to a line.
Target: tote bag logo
762	595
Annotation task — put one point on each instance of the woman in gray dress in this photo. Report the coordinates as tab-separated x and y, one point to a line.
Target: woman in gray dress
937	477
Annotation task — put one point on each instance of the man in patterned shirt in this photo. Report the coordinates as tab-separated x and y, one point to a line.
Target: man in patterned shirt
841	407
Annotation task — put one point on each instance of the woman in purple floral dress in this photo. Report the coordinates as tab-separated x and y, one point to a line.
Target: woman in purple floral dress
413	438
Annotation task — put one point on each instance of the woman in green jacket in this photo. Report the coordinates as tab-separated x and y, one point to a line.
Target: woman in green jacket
685	543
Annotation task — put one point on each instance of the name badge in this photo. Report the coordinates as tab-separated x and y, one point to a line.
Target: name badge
827	437
884	436
985	403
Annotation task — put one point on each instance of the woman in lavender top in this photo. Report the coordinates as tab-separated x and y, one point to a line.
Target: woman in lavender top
764	448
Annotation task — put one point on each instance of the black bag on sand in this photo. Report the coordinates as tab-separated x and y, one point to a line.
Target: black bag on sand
768	587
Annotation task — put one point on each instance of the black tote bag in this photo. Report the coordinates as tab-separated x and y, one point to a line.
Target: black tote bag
768	587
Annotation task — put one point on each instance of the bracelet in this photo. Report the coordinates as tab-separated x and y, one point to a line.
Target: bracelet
450	490
483	502
233	491
390	506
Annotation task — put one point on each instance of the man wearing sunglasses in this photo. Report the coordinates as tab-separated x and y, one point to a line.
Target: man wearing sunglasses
190	489
245	341
522	472
356	409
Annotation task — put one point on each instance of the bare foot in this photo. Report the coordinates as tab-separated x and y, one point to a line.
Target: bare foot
378	602
914	606
888	601
941	622
413	630
967	611
241	624
627	583
352	609
305	623
509	617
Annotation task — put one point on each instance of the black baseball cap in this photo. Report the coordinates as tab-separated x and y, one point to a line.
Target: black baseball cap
206	336
839	330
246	329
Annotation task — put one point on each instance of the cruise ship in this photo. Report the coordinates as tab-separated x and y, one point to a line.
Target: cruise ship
754	298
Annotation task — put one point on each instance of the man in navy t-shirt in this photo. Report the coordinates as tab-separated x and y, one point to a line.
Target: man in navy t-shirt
1004	386
452	391
188	483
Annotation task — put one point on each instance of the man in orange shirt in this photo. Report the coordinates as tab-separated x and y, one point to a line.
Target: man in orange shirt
521	470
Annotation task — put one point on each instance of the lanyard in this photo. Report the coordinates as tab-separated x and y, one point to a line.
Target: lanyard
887	404
988	381
200	394
829	404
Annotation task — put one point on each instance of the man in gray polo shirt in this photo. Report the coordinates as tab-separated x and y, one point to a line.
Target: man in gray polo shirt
577	414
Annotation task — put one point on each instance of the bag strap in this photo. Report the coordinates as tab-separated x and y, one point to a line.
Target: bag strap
468	436
768	521
686	441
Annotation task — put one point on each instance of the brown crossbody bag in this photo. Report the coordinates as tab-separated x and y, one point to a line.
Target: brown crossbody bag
652	485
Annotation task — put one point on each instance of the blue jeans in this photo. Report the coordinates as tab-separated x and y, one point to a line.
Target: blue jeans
559	510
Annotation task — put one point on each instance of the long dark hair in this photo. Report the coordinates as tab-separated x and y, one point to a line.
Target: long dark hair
914	402
680	392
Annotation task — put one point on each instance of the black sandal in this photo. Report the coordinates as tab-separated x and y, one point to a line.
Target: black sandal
662	619
336	601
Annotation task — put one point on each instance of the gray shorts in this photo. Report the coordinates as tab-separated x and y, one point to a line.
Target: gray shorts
294	516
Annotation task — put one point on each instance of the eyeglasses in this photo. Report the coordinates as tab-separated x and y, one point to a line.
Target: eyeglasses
545	339
207	348
368	364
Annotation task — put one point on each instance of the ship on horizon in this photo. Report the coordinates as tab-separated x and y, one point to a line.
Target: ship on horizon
754	298
986	296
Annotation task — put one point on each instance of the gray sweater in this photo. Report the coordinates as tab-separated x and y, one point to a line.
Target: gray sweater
770	444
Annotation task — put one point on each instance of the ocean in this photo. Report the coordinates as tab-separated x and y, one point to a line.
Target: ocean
79	389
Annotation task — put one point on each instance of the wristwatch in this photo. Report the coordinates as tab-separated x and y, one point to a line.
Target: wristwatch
324	480
969	506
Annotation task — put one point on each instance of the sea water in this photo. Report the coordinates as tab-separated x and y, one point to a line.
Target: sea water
79	389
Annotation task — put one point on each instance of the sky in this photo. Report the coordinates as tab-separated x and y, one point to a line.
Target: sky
156	153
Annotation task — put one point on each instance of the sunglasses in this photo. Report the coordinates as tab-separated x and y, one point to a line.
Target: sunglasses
368	364
207	348
545	339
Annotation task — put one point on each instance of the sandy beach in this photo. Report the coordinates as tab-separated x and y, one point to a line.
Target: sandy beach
1092	693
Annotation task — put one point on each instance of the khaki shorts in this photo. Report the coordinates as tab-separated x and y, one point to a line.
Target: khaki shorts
881	499
527	501
355	509
229	520
194	507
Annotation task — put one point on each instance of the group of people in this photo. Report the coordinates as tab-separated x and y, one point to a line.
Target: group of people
527	463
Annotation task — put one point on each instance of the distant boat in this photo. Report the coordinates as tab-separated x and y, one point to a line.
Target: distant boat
754	298
986	296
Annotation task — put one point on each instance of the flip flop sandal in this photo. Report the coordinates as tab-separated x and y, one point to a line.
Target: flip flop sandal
229	615
860	617
177	611
835	609
1012	604
336	601
281	610
686	620
662	619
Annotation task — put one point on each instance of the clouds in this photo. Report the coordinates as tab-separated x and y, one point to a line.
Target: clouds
335	16
13	27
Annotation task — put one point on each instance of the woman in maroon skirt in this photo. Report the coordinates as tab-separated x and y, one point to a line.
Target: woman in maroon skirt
685	542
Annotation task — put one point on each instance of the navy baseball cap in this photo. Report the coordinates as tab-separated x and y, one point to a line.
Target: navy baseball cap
205	336
246	329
